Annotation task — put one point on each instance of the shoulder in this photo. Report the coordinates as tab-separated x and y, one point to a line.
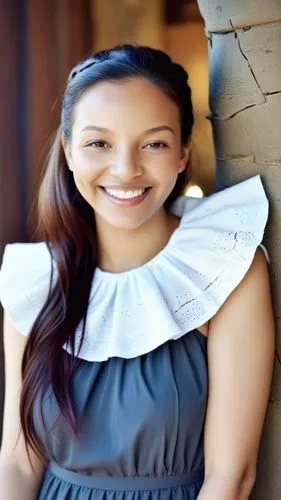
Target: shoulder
249	305
260	261
256	280
24	282
254	290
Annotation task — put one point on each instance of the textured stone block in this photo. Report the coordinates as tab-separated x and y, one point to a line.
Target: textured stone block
219	15
232	84
261	45
253	131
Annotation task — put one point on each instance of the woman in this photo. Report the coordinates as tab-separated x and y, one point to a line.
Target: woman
146	323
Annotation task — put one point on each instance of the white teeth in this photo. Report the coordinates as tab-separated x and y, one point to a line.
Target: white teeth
124	194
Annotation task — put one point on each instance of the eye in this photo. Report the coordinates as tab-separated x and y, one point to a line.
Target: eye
98	144
156	145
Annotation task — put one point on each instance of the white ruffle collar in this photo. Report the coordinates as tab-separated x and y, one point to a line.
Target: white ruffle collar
133	312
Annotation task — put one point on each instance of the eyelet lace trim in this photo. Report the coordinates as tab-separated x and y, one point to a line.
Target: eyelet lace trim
134	312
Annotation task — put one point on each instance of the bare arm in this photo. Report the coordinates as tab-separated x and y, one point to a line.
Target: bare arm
14	484
17	479
240	356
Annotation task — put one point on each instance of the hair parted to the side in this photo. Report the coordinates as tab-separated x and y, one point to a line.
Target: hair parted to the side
66	223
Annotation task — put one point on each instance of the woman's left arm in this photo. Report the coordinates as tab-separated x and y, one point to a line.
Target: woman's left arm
240	358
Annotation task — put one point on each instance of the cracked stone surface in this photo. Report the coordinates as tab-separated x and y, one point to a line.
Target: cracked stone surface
261	46
245	102
244	69
217	13
232	85
255	131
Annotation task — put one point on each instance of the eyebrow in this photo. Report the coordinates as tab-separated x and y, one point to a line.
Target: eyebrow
149	131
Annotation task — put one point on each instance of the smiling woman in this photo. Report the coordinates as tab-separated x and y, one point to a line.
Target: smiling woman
121	398
122	162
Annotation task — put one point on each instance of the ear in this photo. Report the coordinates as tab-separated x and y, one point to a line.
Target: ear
185	153
66	145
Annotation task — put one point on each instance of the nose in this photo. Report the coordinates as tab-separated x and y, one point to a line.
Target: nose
126	166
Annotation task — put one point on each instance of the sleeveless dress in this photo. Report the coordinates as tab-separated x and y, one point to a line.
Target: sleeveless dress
141	389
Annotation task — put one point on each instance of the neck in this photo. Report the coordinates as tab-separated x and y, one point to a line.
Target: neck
120	250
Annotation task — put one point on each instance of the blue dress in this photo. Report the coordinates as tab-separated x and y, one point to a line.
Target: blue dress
140	391
141	427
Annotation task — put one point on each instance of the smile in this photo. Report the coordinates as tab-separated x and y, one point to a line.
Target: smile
125	197
125	194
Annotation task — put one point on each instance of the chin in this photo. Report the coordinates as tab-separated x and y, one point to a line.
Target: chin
126	224
128	218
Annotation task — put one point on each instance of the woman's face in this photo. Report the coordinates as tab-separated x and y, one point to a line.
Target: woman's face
125	152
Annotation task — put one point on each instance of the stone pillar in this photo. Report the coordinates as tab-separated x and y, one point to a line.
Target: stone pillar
140	21
245	102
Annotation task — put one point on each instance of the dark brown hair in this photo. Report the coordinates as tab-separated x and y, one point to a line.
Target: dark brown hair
66	223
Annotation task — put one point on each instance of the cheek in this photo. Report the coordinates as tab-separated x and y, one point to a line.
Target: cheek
86	167
167	171
167	160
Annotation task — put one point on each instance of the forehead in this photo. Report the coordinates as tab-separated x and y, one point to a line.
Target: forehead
133	104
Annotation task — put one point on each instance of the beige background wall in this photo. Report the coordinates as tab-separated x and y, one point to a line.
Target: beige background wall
128	21
187	44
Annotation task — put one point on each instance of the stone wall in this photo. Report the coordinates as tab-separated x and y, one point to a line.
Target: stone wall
245	101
